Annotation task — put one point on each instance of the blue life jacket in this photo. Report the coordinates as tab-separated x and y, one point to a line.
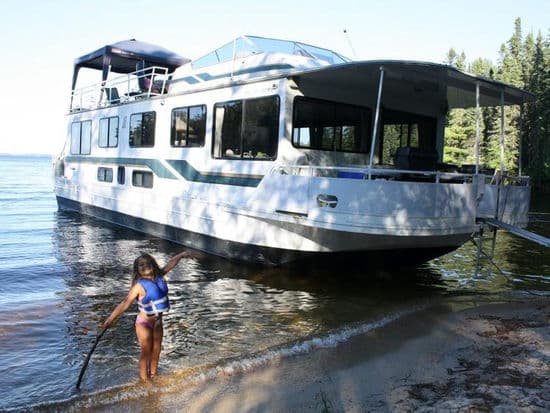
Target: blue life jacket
155	301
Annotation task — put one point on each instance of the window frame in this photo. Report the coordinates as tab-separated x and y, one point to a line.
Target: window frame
143	174
143	127
245	151
424	127
105	174
336	130
201	139
80	124
121	175
109	119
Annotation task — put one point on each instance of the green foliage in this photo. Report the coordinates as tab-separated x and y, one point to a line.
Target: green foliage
524	63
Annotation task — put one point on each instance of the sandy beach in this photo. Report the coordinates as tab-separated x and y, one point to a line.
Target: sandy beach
490	357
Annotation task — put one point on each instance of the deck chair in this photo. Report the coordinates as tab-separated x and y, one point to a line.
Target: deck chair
112	95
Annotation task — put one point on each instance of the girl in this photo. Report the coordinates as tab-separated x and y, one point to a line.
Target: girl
151	292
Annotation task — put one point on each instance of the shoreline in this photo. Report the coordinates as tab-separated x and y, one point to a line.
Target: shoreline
487	357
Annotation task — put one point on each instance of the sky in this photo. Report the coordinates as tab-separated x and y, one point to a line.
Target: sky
41	39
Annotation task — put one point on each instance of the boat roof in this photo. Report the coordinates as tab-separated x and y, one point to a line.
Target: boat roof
122	56
417	80
436	81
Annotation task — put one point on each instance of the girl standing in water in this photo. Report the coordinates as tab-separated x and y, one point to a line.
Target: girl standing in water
150	290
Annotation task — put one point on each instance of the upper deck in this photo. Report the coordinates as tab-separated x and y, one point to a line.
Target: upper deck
245	58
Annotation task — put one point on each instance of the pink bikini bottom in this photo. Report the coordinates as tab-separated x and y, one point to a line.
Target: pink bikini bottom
147	323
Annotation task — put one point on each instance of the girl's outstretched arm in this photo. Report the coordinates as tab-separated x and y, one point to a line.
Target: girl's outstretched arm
174	261
123	306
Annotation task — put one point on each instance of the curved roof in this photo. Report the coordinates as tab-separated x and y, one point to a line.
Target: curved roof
122	57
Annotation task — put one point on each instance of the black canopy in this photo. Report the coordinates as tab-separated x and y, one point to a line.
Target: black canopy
429	82
121	57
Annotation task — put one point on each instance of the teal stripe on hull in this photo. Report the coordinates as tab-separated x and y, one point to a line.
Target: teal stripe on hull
191	174
182	167
153	164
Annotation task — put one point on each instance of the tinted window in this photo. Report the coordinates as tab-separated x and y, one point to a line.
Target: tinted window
246	129
188	126
105	174
121	175
81	137
108	132
403	129
143	179
142	129
330	126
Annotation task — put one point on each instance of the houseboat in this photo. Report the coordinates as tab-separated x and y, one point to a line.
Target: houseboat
272	151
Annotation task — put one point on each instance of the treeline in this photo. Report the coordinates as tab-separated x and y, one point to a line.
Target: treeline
525	63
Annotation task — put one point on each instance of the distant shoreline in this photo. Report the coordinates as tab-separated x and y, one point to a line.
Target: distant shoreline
26	155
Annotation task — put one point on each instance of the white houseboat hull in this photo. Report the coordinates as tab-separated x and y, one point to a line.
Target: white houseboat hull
290	162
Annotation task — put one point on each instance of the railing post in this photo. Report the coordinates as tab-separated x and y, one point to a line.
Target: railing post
500	183
376	116
520	139
502	131
477	128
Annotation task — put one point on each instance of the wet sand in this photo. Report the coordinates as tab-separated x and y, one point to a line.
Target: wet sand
489	357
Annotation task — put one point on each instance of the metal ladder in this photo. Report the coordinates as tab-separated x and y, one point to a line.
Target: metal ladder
479	239
492	225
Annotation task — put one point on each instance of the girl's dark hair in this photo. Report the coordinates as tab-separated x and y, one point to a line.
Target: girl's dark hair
156	269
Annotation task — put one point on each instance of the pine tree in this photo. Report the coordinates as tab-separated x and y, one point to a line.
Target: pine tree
536	129
489	116
458	131
524	64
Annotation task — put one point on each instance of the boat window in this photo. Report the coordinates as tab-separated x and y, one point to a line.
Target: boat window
330	126
402	129
188	126
142	129
250	45
81	137
108	132
143	179
246	129
121	175
105	174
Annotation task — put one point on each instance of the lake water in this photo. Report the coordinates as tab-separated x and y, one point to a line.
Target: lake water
61	274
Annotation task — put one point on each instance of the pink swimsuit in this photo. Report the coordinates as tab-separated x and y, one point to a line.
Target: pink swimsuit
147	323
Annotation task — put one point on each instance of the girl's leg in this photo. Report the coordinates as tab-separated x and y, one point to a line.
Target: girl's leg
145	339
158	332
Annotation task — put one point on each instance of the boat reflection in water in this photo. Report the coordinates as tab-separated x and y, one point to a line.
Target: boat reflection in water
230	317
219	310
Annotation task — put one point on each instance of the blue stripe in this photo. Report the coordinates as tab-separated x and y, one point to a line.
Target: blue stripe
189	79
182	167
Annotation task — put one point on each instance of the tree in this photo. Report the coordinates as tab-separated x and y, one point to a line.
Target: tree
536	129
458	131
522	63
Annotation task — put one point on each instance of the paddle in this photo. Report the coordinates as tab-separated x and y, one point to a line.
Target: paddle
88	357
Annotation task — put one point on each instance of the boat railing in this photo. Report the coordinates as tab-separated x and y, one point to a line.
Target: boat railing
141	84
366	173
503	178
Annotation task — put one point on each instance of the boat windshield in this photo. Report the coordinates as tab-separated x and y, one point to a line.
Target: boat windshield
248	45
